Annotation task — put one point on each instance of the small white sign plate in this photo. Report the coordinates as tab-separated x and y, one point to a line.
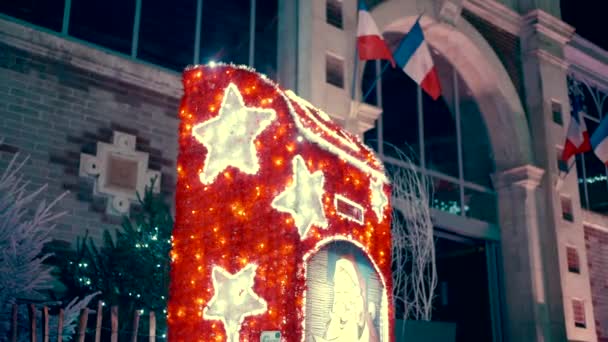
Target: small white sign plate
270	336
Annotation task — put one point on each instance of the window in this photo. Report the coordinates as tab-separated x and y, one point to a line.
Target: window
578	313
333	13
47	13
556	109
573	260
562	165
266	35
107	23
166	33
592	173
566	204
334	70
225	31
446	138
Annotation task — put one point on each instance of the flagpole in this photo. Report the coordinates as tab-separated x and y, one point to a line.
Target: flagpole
384	68
355	68
562	175
369	91
568	171
354	104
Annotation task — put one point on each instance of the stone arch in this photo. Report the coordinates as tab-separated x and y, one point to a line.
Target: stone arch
480	68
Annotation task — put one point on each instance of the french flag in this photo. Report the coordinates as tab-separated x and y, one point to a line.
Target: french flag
599	141
370	43
577	137
414	57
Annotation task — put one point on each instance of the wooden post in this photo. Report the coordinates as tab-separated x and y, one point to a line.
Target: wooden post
60	326
14	324
45	324
135	326
152	330
114	321
32	312
98	325
82	324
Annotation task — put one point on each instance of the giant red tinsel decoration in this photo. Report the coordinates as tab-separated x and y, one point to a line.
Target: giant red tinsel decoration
232	225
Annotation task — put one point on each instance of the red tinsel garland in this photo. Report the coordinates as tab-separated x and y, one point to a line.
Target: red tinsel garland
230	222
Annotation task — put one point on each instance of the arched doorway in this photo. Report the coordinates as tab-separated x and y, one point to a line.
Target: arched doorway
477	128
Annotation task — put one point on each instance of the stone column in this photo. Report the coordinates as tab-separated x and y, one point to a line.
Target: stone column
543	38
523	270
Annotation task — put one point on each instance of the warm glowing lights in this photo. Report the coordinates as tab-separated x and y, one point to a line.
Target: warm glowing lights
258	176
302	199
378	198
233	299
229	136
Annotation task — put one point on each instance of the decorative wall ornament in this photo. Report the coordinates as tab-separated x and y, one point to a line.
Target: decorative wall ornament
119	172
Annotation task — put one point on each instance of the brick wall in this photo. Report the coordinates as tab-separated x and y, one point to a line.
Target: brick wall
596	241
505	45
52	111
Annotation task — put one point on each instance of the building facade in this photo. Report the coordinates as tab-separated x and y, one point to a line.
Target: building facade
522	247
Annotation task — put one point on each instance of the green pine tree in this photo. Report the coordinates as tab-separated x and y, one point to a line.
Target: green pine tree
131	270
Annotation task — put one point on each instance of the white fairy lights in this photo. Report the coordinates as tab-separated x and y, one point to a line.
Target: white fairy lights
233	299
303	198
378	198
230	136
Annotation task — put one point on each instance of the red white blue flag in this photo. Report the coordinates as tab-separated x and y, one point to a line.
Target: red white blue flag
370	43
414	57
599	141
577	137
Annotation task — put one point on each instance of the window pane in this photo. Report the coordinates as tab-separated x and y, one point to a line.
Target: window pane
445	196
440	144
266	35
589	107
370	137
400	116
595	181
333	13
477	158
334	70
47	13
480	205
581	181
108	23
166	32
225	31
367	81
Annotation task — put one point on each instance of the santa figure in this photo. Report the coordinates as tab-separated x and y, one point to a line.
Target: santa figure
351	319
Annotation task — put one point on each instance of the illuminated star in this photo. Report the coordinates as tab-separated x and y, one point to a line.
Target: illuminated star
230	136
378	198
233	299
303	198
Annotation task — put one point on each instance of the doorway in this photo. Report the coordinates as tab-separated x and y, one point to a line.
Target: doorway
463	287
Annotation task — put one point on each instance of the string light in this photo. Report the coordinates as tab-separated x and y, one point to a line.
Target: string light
259	175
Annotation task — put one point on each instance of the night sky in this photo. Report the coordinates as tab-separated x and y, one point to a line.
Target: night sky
588	18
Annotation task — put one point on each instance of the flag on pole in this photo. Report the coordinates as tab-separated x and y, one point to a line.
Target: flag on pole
370	43
577	137
599	141
414	57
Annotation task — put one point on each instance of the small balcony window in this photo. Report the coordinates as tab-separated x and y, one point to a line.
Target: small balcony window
334	70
